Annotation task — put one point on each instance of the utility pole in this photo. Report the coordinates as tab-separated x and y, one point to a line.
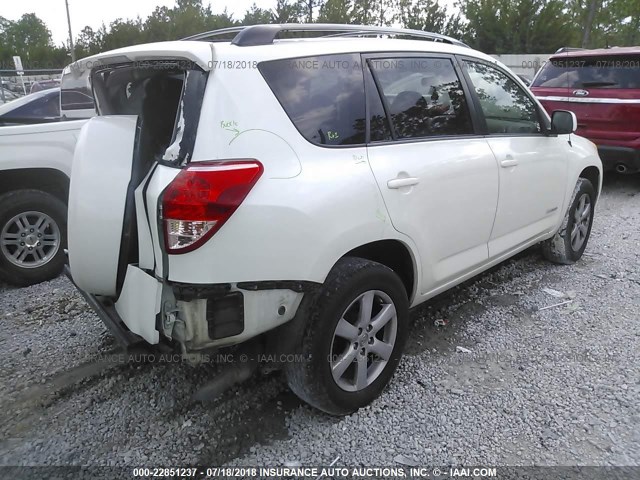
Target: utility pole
73	52
594	7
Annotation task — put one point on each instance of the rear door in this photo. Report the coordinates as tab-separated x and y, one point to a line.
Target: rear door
533	165
439	180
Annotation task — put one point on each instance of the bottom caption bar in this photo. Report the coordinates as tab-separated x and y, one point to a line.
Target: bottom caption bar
318	473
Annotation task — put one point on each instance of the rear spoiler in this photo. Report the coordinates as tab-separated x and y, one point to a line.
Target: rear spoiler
198	53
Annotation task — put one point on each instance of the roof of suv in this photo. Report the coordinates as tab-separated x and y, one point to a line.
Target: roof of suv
597	52
354	38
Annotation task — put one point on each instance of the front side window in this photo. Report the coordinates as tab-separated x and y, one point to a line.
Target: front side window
424	96
506	106
323	96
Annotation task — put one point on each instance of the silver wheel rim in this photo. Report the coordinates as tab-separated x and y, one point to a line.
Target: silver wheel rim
363	340
581	221
30	239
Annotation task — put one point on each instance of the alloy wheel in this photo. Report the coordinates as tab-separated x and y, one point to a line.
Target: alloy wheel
30	239
363	340
582	219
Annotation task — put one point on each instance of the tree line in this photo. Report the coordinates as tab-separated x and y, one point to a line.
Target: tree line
492	26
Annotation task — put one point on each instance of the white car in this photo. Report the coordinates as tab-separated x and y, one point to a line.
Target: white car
36	152
305	193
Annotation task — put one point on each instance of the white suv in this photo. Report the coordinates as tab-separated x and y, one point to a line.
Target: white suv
305	193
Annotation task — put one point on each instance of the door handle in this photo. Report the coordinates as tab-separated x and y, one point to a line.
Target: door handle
402	182
509	162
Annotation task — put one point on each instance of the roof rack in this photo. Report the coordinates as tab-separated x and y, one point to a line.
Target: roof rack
215	33
568	49
265	34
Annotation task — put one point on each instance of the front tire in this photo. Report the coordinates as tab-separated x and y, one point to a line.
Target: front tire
354	334
568	244
33	235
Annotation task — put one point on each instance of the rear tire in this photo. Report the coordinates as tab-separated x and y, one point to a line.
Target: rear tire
359	317
568	244
33	236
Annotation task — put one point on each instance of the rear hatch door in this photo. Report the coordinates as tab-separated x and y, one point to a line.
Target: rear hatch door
148	114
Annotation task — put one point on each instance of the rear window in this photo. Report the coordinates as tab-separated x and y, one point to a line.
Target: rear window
323	96
165	97
613	71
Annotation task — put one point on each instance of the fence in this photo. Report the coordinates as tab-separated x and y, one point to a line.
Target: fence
14	86
528	64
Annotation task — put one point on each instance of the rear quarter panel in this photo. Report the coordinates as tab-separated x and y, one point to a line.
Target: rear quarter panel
311	206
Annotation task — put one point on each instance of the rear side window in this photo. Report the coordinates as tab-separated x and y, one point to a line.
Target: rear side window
323	96
613	71
424	96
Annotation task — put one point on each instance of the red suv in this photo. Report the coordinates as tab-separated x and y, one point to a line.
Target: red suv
602	87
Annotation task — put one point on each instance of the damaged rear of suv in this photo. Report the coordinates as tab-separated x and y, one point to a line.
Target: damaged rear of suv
298	196
141	201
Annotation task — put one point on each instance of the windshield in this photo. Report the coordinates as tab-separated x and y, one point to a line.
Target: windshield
591	72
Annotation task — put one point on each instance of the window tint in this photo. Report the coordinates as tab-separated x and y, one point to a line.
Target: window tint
615	71
323	96
75	100
43	107
424	96
75	91
378	121
506	106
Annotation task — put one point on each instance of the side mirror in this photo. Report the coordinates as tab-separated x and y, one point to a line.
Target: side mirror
563	122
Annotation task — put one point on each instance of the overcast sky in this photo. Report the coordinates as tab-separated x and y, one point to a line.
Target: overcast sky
95	12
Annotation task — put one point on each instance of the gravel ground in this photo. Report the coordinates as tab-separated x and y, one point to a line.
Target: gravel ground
559	386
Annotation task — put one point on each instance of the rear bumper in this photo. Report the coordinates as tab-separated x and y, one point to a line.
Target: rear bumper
622	159
195	316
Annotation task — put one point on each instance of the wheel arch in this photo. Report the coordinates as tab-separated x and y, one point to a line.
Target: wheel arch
48	180
393	254
593	175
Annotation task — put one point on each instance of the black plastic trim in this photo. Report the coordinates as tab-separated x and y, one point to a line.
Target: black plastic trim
109	316
296	286
265	34
225	316
188	292
612	156
129	232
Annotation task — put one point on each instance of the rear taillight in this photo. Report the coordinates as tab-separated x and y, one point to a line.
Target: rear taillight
201	199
